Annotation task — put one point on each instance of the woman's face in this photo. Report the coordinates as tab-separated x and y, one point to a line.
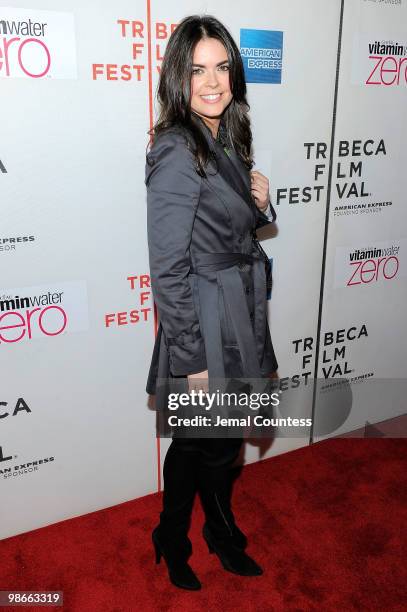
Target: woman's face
210	87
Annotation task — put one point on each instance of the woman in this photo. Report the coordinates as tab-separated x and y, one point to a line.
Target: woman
209	275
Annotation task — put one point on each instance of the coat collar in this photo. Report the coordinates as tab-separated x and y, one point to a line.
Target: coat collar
230	167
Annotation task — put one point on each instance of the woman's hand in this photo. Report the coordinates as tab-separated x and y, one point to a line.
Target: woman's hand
198	381
260	189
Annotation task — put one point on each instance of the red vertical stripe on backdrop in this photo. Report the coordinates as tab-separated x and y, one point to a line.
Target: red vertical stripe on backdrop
151	120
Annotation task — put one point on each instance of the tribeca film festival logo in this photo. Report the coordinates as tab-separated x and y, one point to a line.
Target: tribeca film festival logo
37	44
262	55
20	406
19	469
349	173
29	313
307	194
135	34
141	285
370	264
333	354
12	410
346	186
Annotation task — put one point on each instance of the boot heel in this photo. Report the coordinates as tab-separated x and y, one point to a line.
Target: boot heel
209	545
157	551
233	558
179	572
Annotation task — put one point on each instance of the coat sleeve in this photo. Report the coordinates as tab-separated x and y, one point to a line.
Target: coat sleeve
173	189
268	216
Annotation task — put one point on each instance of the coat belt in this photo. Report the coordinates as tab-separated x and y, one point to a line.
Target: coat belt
221	268
219	261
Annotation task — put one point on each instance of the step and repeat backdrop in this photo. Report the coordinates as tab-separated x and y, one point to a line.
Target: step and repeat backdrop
327	83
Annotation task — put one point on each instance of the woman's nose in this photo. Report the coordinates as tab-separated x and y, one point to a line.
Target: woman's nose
212	79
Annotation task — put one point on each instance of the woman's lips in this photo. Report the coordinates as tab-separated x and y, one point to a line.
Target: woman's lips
213	101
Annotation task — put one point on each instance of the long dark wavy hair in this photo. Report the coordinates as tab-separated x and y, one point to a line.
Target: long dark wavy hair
174	90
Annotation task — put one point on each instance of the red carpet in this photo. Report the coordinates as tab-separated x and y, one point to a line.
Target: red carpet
327	523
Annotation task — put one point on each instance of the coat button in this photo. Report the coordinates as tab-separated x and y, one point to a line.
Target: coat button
247	289
150	159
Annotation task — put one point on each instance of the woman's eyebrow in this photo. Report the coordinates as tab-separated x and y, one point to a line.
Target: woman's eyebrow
218	64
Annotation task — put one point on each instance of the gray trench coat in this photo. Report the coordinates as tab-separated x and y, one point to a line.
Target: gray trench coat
208	279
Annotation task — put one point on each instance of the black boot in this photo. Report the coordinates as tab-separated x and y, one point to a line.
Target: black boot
215	485
179	571
215	491
219	516
233	559
170	538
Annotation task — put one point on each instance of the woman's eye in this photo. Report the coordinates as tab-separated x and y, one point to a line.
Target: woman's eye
223	68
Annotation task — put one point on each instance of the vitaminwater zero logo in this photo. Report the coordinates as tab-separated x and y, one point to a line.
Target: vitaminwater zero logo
39	312
382	262
378	62
262	55
389	63
37	44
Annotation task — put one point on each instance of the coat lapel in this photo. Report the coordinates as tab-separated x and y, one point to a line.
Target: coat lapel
229	166
229	170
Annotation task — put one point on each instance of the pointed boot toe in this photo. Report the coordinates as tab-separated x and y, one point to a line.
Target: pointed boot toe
233	558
